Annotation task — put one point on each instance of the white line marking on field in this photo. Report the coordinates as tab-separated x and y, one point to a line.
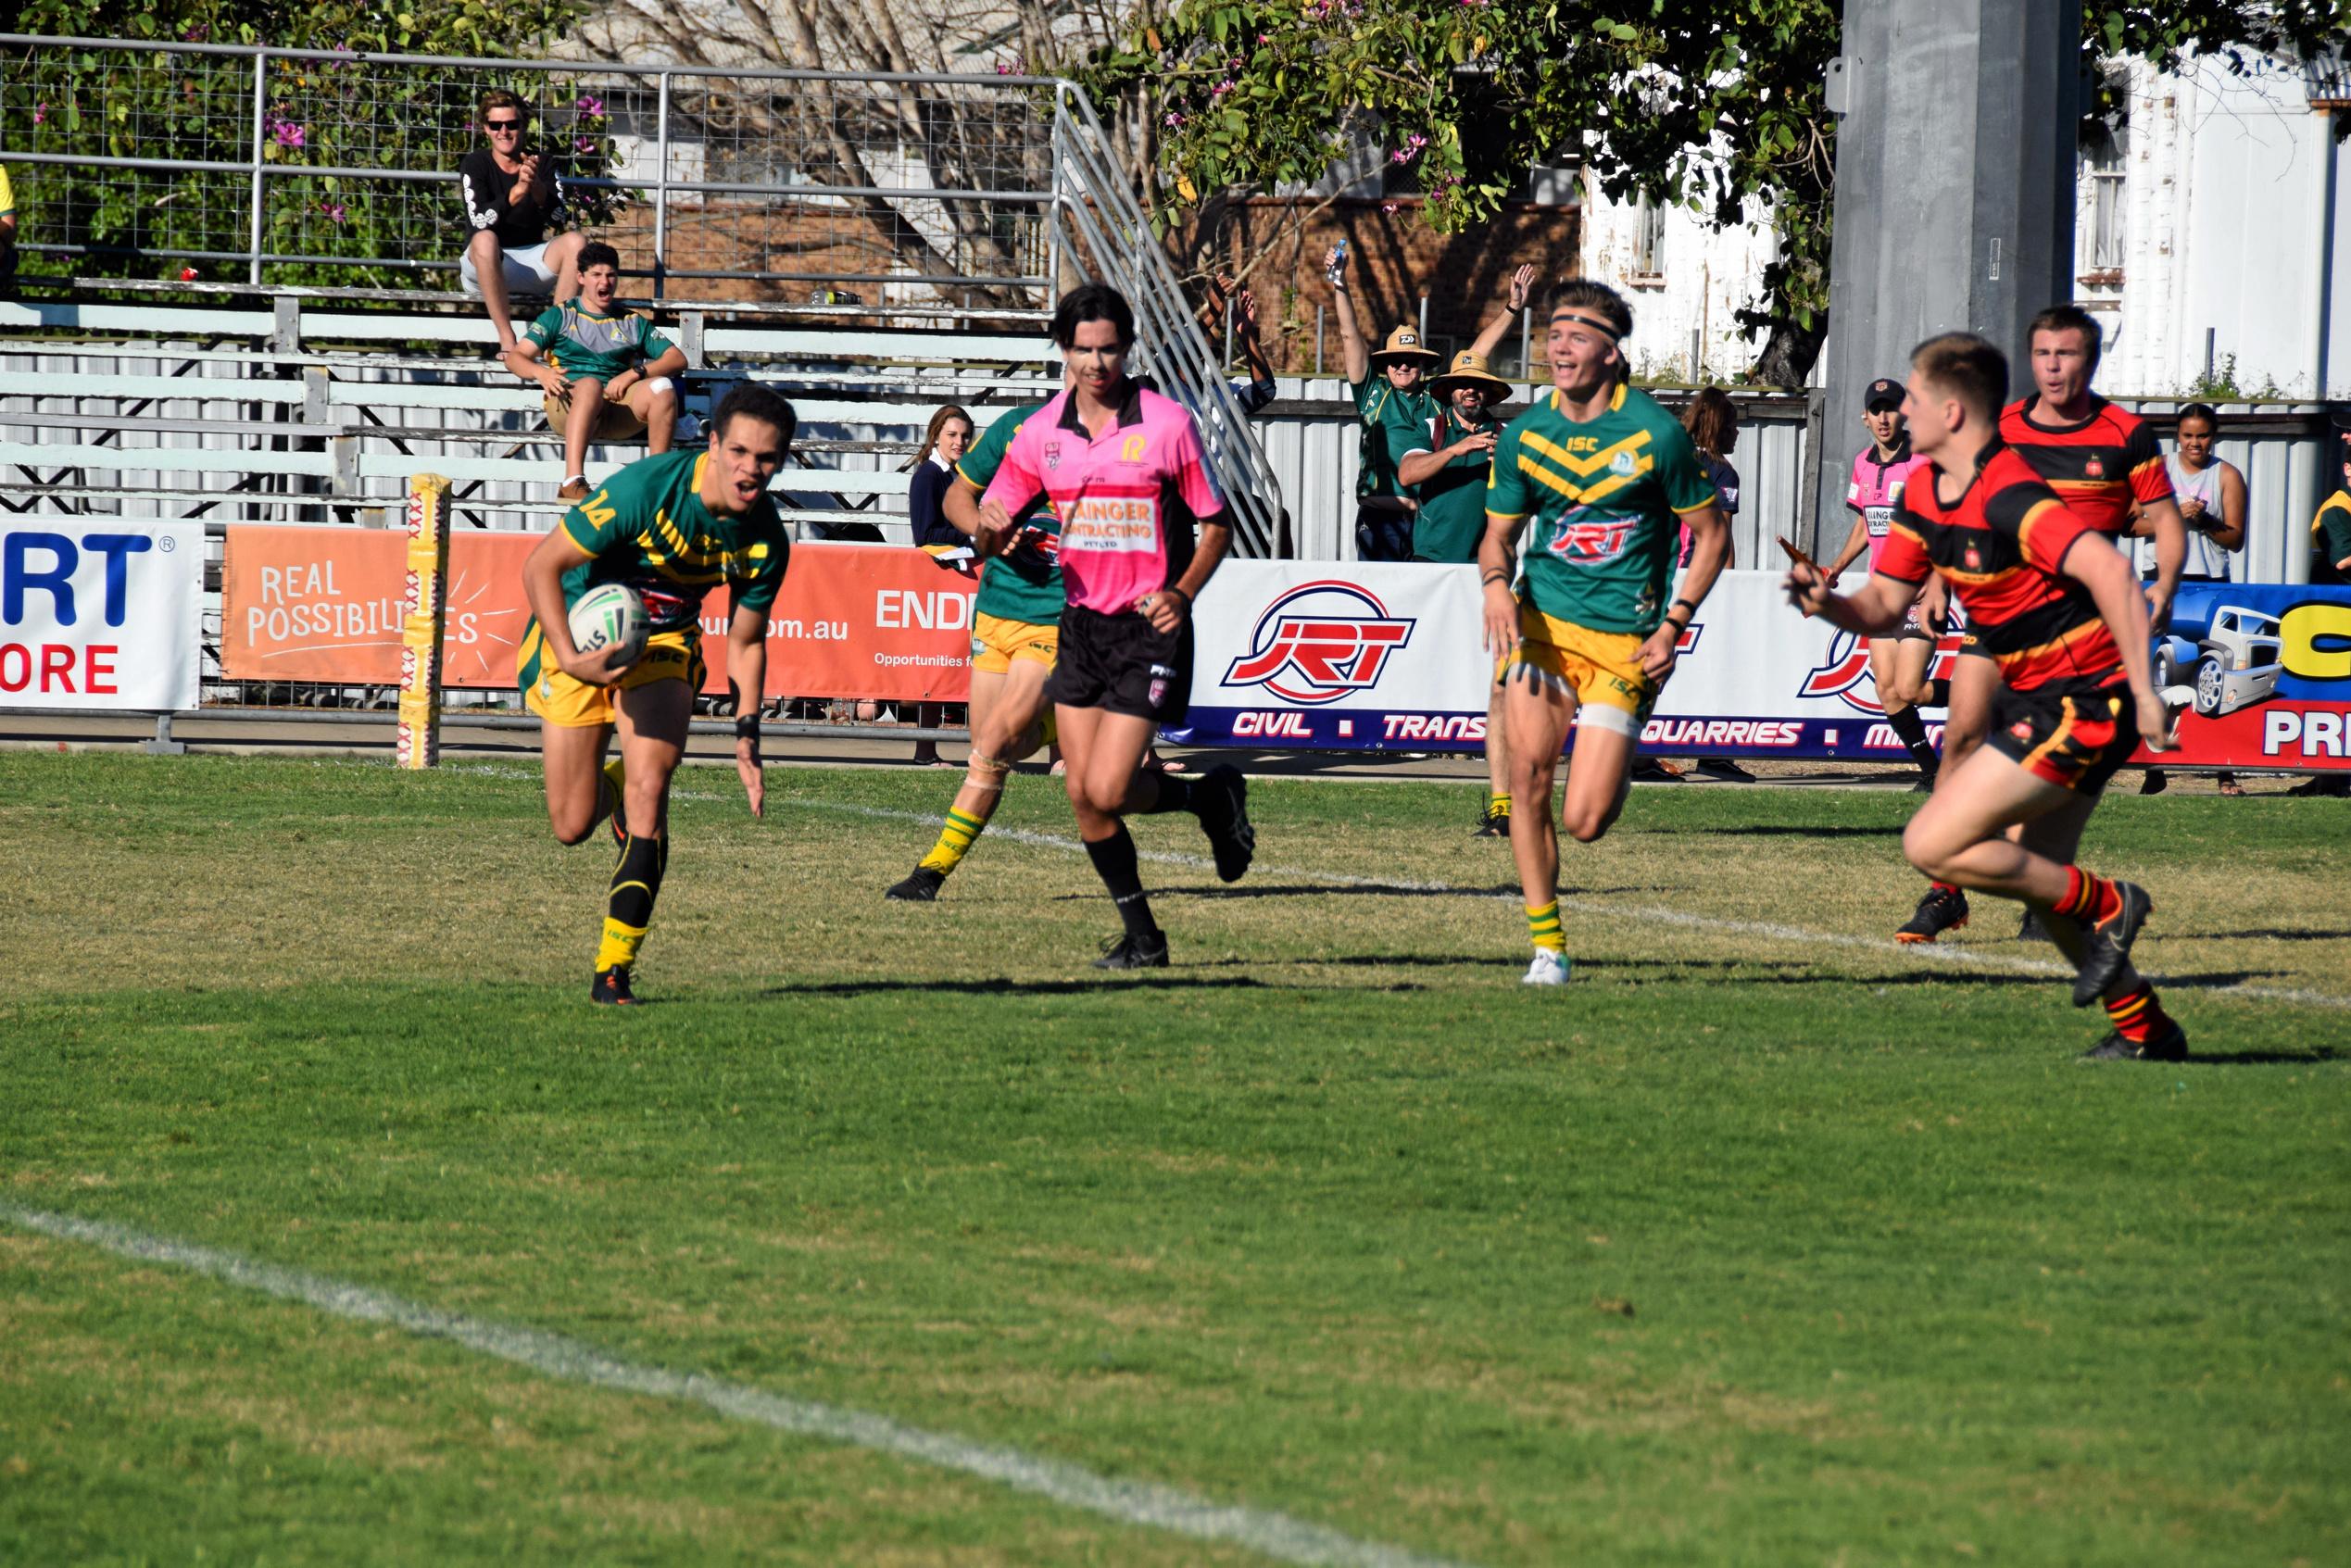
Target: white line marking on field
1934	952
1274	1535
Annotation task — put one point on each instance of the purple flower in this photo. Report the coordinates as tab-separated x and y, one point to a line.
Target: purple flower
1223	87
40	113
335	212
584	143
590	106
1388	206
195	32
289	134
1175	121
1402	154
1004	67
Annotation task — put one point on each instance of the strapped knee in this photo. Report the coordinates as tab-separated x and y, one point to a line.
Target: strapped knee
986	773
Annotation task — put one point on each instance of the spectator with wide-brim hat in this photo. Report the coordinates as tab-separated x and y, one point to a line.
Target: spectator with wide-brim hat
1389	397
1447	463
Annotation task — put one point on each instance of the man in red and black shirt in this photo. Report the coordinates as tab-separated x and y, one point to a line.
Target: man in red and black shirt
2056	609
2104	463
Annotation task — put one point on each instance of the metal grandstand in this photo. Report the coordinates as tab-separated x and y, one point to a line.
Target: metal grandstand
875	242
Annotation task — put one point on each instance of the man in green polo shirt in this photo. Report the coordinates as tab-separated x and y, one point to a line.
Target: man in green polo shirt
1445	464
1389	397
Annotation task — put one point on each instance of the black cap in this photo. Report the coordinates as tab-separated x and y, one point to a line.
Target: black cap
1884	392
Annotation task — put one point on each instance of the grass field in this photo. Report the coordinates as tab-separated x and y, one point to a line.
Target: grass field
1763	1242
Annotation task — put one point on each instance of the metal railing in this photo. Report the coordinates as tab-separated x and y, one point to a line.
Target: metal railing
962	190
1113	239
303	162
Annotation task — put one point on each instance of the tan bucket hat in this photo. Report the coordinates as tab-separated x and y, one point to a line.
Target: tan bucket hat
1469	370
1404	343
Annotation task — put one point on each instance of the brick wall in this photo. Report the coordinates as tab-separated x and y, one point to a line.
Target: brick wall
1393	258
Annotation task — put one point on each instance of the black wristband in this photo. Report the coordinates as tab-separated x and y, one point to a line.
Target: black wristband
1181	595
748	728
1501	577
1684	604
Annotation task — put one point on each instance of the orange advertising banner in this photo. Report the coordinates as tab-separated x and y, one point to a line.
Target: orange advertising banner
323	604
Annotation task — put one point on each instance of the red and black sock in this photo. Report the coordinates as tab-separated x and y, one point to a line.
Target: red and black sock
2092	900
2136	1015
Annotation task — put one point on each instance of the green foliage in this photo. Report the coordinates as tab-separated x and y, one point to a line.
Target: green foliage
1718	107
351	113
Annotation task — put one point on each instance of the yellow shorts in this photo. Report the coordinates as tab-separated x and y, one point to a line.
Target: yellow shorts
996	641
1602	668
577	705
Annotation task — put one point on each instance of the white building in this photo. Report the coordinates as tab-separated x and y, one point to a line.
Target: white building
2215	216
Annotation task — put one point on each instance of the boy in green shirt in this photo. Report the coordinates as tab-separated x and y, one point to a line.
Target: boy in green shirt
607	375
673	528
1607	477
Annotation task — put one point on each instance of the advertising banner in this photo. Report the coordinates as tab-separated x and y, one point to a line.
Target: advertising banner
324	604
100	613
1321	654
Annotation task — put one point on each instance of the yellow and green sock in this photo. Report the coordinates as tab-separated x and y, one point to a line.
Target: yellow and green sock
1543	927
955	841
1497	804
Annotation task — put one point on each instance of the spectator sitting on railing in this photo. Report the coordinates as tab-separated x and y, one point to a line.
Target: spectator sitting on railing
511	194
606	374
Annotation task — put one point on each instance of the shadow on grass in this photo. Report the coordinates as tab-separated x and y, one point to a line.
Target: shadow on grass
2309	1058
1107	983
2265	934
1785	830
1381	890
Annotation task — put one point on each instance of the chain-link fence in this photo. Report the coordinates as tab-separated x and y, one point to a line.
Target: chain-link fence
331	167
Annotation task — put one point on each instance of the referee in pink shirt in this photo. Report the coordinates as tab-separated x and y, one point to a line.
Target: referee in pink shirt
1123	469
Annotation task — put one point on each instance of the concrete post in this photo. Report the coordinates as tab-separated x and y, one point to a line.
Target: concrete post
1956	162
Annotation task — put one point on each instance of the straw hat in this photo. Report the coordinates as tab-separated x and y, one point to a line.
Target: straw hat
1404	343
1469	370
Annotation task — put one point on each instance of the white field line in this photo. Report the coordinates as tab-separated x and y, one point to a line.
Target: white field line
1275	1536
1934	952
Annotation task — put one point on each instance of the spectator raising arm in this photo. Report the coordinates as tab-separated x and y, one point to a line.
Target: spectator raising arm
1353	352
1522	284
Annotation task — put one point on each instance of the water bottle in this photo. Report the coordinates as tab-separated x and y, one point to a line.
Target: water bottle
1337	273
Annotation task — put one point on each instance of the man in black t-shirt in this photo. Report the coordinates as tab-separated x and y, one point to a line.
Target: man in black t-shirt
511	194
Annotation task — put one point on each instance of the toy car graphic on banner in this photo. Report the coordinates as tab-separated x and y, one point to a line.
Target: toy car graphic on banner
2260	673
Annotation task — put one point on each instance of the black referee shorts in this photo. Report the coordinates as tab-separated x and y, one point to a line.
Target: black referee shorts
1122	664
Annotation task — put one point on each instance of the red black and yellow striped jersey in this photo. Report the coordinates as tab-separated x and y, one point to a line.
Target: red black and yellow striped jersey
2099	466
2002	546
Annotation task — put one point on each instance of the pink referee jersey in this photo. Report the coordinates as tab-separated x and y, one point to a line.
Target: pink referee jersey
1114	496
1876	489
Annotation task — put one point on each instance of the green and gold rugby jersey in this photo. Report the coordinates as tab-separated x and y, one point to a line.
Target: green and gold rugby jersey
579	342
1605	496
1025	582
648	527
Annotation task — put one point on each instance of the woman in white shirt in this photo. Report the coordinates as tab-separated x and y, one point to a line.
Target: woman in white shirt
2212	497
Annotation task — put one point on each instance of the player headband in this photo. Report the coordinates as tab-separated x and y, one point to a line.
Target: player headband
1594	322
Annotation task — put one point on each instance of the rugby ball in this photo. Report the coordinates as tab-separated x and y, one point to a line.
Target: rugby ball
609	615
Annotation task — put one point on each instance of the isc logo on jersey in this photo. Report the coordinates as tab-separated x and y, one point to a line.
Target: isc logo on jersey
1320	641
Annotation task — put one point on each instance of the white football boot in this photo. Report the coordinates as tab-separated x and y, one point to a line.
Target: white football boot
1549	969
